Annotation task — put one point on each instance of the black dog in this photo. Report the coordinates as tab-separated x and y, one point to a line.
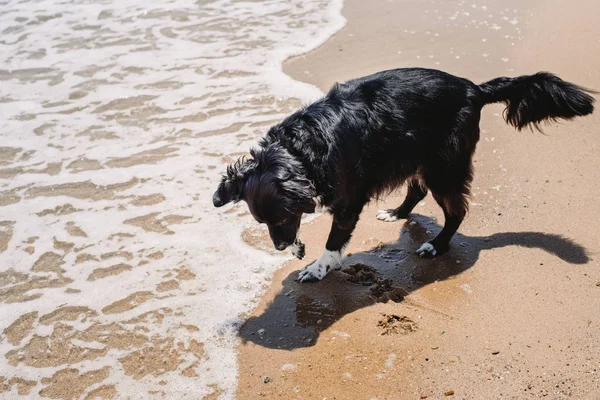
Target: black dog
370	135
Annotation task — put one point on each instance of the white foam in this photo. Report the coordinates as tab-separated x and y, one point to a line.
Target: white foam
210	65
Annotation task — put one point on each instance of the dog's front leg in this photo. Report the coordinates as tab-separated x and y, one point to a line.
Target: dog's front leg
339	236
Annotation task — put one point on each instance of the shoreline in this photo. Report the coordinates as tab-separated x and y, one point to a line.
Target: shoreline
480	321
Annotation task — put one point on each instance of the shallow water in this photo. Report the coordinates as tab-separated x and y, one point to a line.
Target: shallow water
117	276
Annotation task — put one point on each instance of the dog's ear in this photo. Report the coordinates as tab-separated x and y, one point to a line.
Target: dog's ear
226	193
231	186
301	191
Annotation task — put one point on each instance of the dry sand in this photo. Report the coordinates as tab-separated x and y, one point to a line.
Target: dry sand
513	310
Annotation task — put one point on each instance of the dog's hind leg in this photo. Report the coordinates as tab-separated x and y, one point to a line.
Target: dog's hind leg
341	230
416	193
451	193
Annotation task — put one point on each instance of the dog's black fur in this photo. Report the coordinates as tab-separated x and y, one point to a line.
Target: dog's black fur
370	135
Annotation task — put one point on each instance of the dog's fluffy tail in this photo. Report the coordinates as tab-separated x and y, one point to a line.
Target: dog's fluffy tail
531	99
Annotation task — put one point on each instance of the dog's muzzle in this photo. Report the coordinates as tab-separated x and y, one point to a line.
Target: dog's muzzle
282	246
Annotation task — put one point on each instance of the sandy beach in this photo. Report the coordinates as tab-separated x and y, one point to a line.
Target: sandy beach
513	310
120	280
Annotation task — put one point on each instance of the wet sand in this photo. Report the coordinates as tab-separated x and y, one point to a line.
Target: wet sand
513	310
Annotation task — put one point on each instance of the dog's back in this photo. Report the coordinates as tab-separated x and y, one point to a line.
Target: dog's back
383	128
386	127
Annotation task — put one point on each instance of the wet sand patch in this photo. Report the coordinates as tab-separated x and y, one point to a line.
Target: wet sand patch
185	274
69	384
20	328
162	85
258	237
82	190
216	394
84	164
150	222
74	230
159	358
84	257
233	128
53	350
49	262
148	200
24	386
11	277
191	328
190	100
157	255
68	313
152	156
78	94
154	316
94	133
63	245
18	293
67	345
6	233
167	285
103	392
125	104
190	372
54	104
120	253
4	387
128	303
8	197
90	71
59	210
121	235
51	169
8	154
100	273
9	173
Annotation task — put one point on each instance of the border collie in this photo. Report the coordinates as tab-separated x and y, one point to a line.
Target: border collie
370	135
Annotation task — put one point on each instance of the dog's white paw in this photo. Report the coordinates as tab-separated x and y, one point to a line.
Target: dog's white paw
313	273
317	270
386	215
427	250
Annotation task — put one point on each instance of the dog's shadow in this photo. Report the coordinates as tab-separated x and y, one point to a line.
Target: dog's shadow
300	311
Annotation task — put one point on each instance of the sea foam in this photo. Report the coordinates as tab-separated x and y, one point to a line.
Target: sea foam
117	119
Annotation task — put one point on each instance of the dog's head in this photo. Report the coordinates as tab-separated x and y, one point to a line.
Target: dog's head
275	187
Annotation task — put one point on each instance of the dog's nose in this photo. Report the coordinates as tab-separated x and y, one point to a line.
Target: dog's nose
281	246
